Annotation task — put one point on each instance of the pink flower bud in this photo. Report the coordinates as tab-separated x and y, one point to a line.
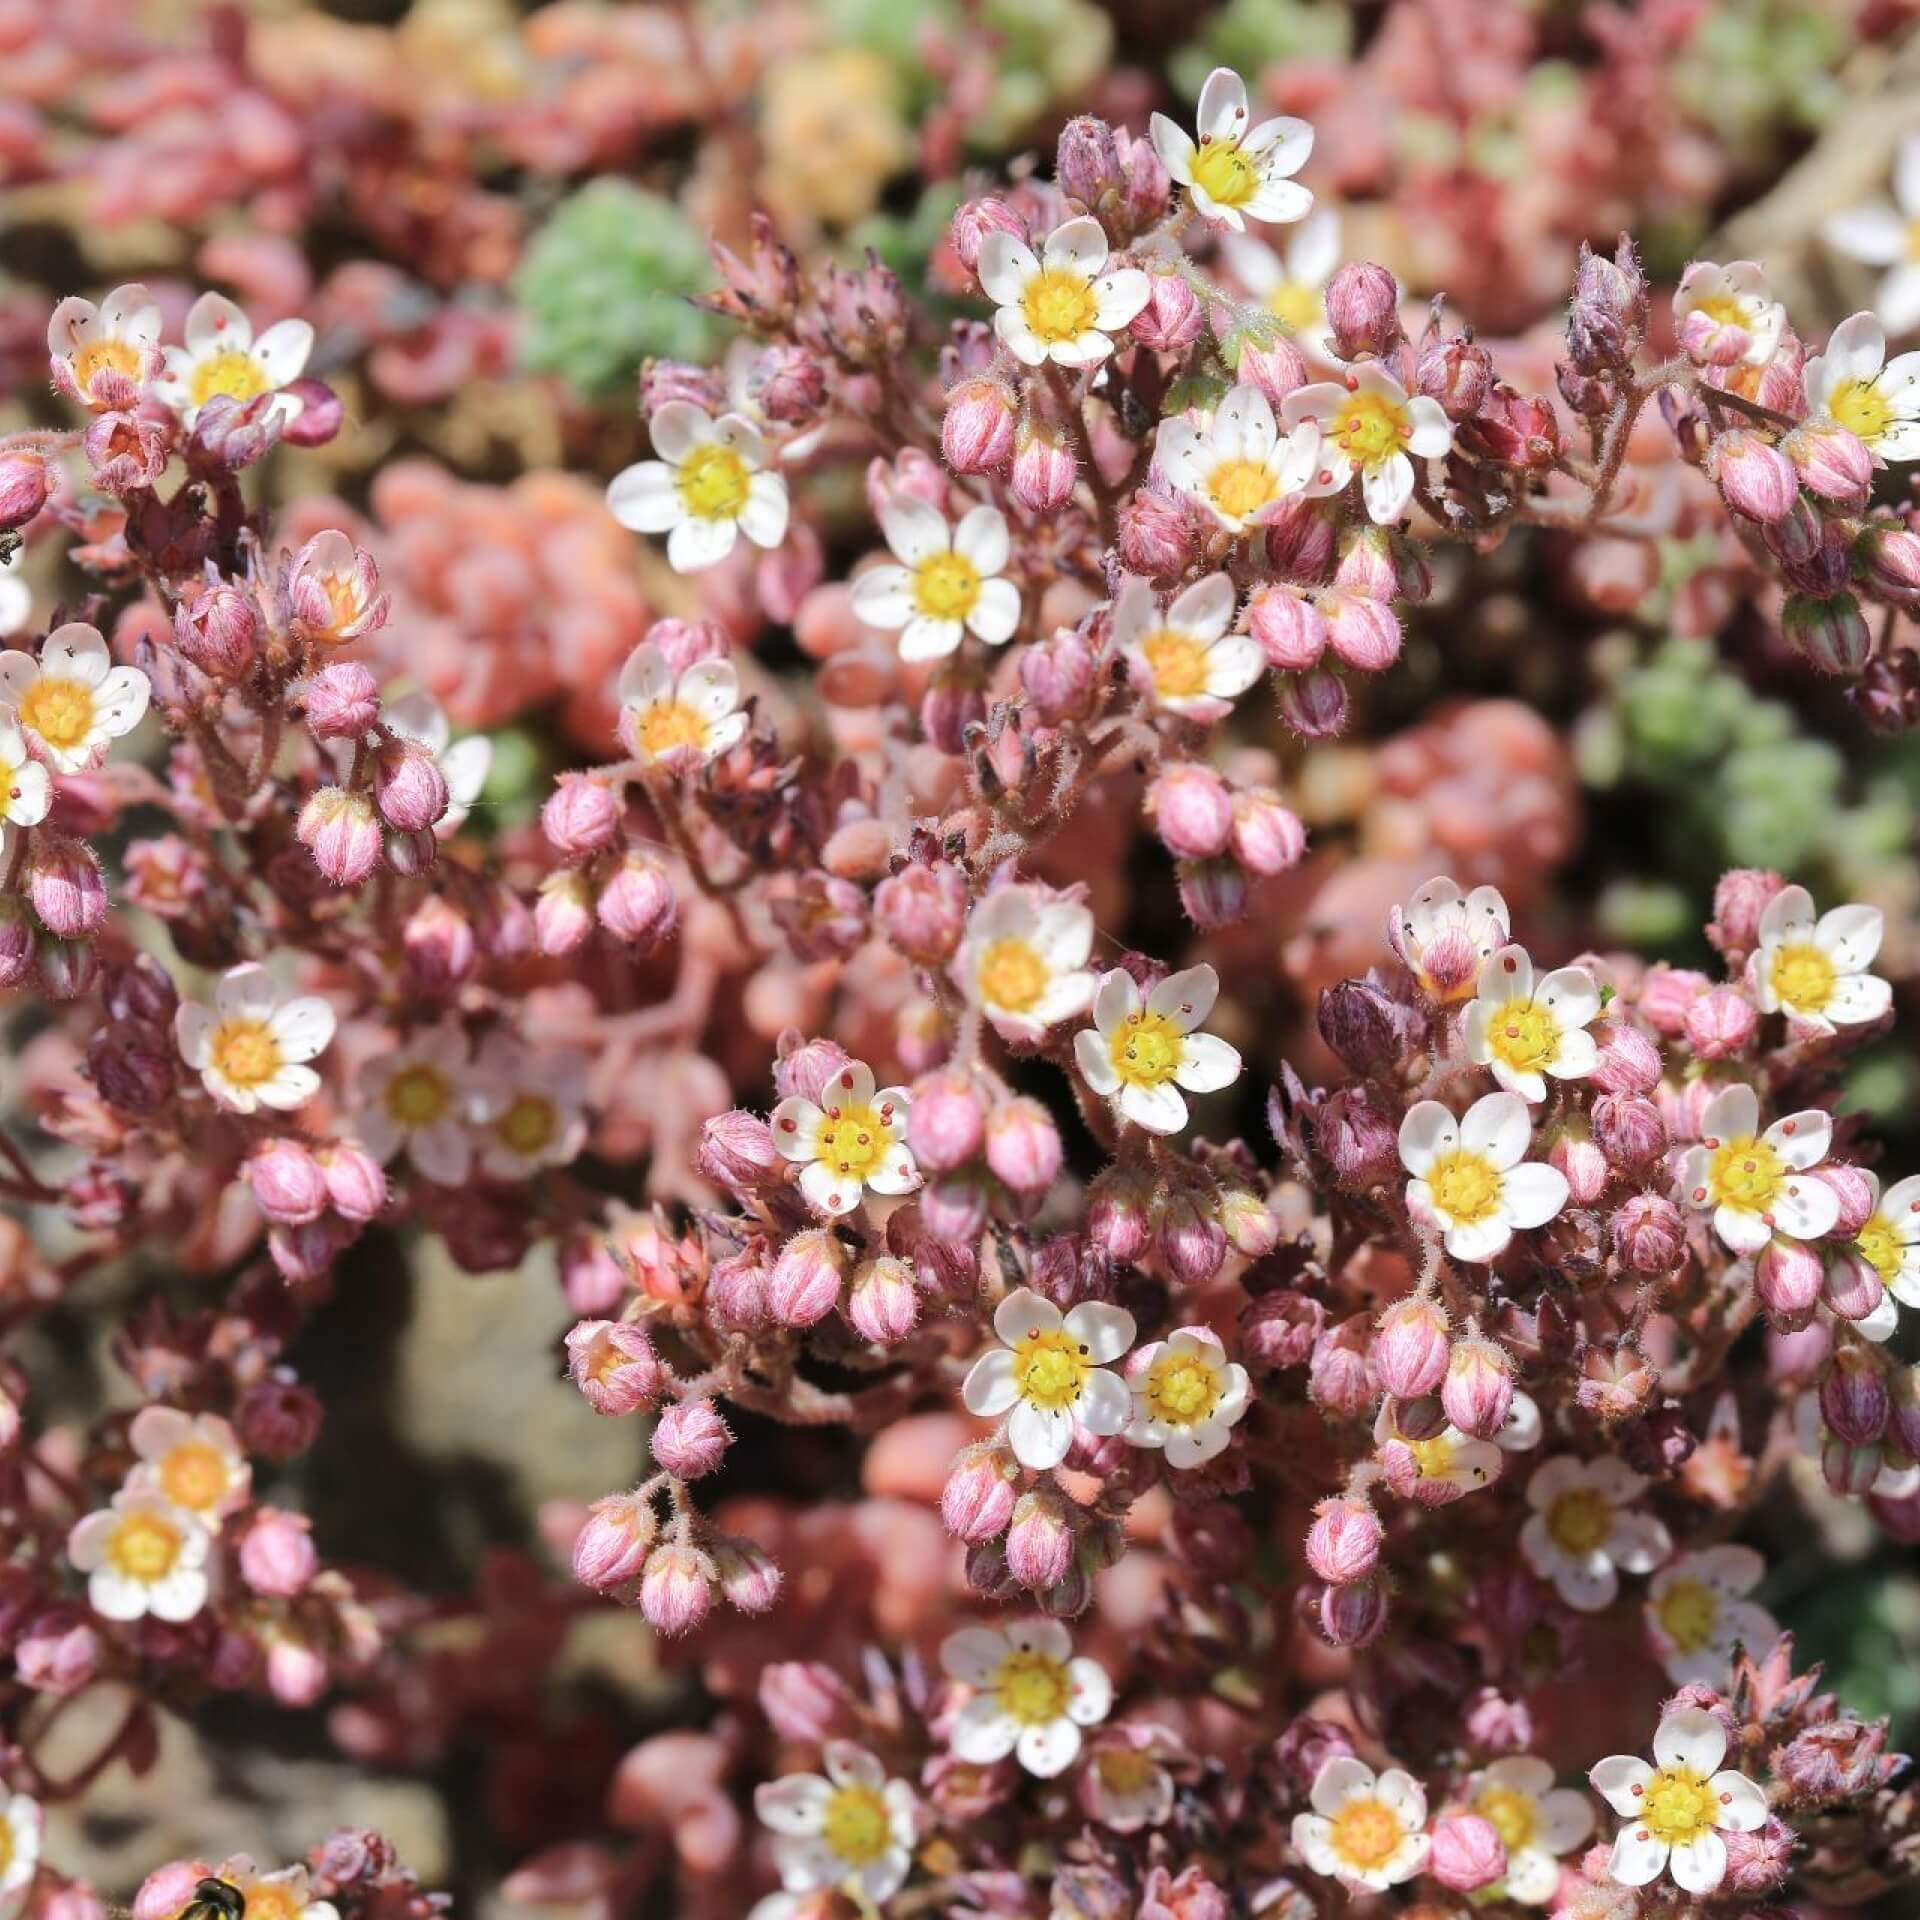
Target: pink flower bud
1363	311
1060	676
749	1578
321	416
278	1419
1585	1167
1190	1242
1665	995
1156	536
288	1185
126	453
277	1556
883	1304
356	1182
1023	1146
581	816
1754	477
219	631
1039	1542
923	911
1274	367
408	787
1628	1130
978	218
1830	631
1831	463
563	912
1721	1022
1338	1378
1467	1852
636	904
1456	371
1314	705
690	1439
1044	472
736	1150
438	944
1267	837
1087	161
58	1653
1364	633
1409	1351
612	1547
1353	1615
803	1068
1149	190
977	430
1852	1188
1358	1141
1343	1544
676	1591
805	1700
804	1286
1477	1393
1280	1329
25	485
1788	1277
1192	811
1213	893
1854	1401
1739	899
1172	319
1887	560
977	1501
737	1292
1302	539
65	885
787	383
614	1365
342	701
1854	1288
1648	1234
1119	1215
1290	628
340	830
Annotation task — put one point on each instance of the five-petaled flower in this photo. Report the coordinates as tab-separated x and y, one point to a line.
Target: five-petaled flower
1887	234
1051	1371
193	1461
1443	937
1471	1176
1581	1533
1030	1695
72	702
948	581
1698	1613
1857	387
1141	1053
1235	462
1754	1183
708	486
1369	425
102	356
851	1828
1292	287
1063	306
1187	1396
142	1555
252	1046
529	1106
223	360
1537	1822
1023	962
416	1099
1526	1029
853	1138
1181	654
1237	171
1677	1809
1366	1830
1815	970
683	719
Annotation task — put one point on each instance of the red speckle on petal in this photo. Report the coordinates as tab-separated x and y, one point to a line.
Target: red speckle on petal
846	1079
1512	964
1638	1792
787	1126
1787	1126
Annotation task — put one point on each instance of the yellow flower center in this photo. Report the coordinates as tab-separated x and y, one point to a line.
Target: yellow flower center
59	710
946	586
1465	1186
105	356
1524	1036
1880	1247
529	1124
1746	1174
1058	304
418	1095
1124	1771
1296	305
244	1052
1224	173
343	598
230	371
1580	1520
1012	976
1679	1805
1240	488
1370	427
854	1140
1803	977
713	482
856	1826
194	1476
1177	662
1434	1458
143	1547
1367	1834
1860	407
671	726
1689	1612
1033	1687
1723	310
1510	1813
1146	1049
1051	1367
1183	1388
6	1847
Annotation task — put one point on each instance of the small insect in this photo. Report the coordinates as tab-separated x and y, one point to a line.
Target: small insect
215	1900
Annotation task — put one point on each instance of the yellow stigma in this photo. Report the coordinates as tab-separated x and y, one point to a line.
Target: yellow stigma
946	586
1367	1834
1689	1612
194	1476
713	482
1146	1049
1523	1036
529	1124
343	598
1178	664
244	1052
671	726
1860	407
1058	304
143	1547
1723	310
1434	1458
1746	1174
1051	1368
1510	1813
1880	1247
1679	1805
1240	488
59	710
1802	977
1183	1388
1580	1520
1296	305
229	371
1012	976
419	1095
105	356
1465	1186
1224	173
1369	427
856	1825
1033	1687
854	1140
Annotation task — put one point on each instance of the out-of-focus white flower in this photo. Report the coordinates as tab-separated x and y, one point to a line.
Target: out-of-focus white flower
73	702
102	356
464	764
1031	1695
1525	1031
1023	962
416	1099
854	1138
1182	653
1580	1534
1750	1180
192	1461
852	1828
1292	286
1443	937
1698	1613
1366	1830
1372	427
1237	171
223	359
1187	1396
142	1555
678	719
20	1823
1815	971
1141	1055
708	486
529	1106
1854	385
1124	1784
1537	1822
252	1046
1062	306
950	581
1676	1810
1050	1371
1727	315
1471	1177
1888	235
1235	462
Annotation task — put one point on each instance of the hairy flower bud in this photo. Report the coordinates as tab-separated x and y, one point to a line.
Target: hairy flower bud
1156	538
563	912
1291	628
612	1546
1467	1852
1788	1276
277	1556
736	1150
342	702
1358	1141
1343	1544
65	885
1886	561
287	1183
408	787
1314	705
923	911
1119	1216
614	1366
1353	1615
1173	317
1044	471
1023	1146
636	902
581	816
218	630
977	430
25	485
1628	1130
883	1303
1740	897
1365	633
1755	478
1477	1393
1721	1022
1831	463
1087	162
690	1439
1831	631
1854	1401
1039	1544
1190	1241
1648	1234
1454	370
1363	311
1271	365
978	218
1607	318
805	1700
1409	1351
1338	1377
676	1590
804	1286
1191	810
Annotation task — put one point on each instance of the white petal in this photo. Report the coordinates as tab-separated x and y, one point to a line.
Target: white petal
676	427
794	1805
1105	1407
1079	243
991	1385
1040	1436
1094	1058
1049	1749
973	1655
923	638
1222	111
695	545
764	517
915	530
1187	997
983	1732
1004	267
1497	1124
1743	1806
1690	1737
1699	1864
982	538
1105	1331
1022	1314
1876	235
1206	1064
1092	1694
1159	1109
883	597
303	1027
1637	1857
996	612
1427	1131
283	349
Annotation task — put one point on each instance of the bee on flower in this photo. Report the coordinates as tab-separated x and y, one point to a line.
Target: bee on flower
1141	1053
142	1555
1235	462
274	1896
1443	937
252	1046
685	719
103	356
1581	1534
708	486
1471	1177
1292	286
1063	306
1050	1371
1023	961
852	1828
417	1099
1187	1396
222	359
1181	652
948	581
1749	1179
529	1106
1677	1809
1537	1822
193	1461
1815	970
1886	1249
1698	1614
853	1139
21	1819
1887	235
1366	1830
72	703
1727	316
1236	171
1030	1695
1525	1030
1369	425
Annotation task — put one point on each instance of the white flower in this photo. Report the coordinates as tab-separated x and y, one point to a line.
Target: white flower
1140	1056
1366	1830
1537	1822
1887	1246
1183	654
1187	1396
251	1048
275	1896
1439	1469
1815	971
1237	172
1124	1784
20	1823
417	1099
1748	1178
1726	316
1023	962
72	702
1443	936
1580	1534
102	356
26	788
1888	236
222	358
852	1829
1675	1812
1235	461
464	764
1698	1613
1293	288
1372	427
142	1555
949	581
1031	1696
192	1462
16	597
708	486
678	719
1854	385
529	1106
1471	1176
1061	307
1525	1031
1050	1372
855	1138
